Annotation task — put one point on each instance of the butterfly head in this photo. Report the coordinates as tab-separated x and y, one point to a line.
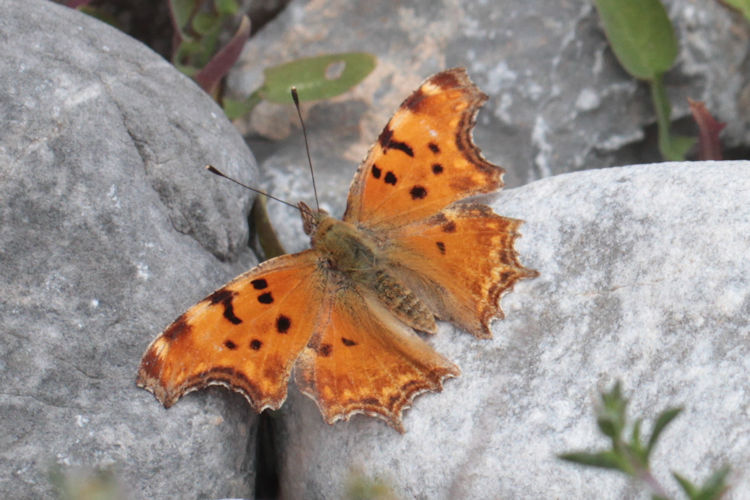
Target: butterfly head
311	218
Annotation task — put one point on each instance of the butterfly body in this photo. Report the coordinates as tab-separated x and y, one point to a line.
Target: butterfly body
343	314
360	259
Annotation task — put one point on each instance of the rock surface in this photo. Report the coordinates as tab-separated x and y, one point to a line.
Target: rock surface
644	278
559	99
108	224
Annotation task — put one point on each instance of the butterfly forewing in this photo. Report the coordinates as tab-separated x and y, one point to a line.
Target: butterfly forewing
425	158
246	335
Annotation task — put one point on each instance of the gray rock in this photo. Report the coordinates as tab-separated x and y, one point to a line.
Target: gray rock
108	223
559	101
645	277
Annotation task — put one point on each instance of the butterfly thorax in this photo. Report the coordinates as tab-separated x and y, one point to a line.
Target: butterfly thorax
355	254
348	248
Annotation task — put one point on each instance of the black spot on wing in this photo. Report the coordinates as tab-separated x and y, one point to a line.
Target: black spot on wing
256	344
178	328
265	298
434	147
259	284
418	193
385	137
387	142
376	171
437	168
401	146
283	323
414	102
449	227
441	247
230	345
390	178
225	298
348	342
325	350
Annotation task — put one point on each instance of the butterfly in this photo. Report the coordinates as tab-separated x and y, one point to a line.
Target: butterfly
344	315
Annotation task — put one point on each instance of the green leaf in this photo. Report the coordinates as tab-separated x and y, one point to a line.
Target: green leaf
187	52
689	488
181	10
316	77
640	34
713	489
234	108
608	427
662	422
610	416
205	23
603	459
742	5
636	446
226	7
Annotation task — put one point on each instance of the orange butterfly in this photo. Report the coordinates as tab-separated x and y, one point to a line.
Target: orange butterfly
343	313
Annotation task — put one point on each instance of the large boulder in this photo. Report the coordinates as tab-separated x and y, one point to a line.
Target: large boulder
559	100
110	229
645	278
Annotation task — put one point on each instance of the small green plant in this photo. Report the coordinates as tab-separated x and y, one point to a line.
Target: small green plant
643	39
631	456
198	26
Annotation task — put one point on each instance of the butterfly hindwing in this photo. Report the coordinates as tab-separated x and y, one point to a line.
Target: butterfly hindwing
459	262
425	158
245	336
364	360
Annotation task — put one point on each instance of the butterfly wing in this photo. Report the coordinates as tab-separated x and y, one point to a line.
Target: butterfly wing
364	360
425	158
246	336
459	262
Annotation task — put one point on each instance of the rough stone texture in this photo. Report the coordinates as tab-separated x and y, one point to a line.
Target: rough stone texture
645	277
107	222
559	101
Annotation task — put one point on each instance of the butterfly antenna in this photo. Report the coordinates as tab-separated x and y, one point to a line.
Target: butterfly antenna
216	171
295	98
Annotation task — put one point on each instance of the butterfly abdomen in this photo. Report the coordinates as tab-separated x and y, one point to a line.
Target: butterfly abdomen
403	303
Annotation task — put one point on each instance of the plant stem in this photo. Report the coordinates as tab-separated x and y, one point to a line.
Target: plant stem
663	111
648	478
